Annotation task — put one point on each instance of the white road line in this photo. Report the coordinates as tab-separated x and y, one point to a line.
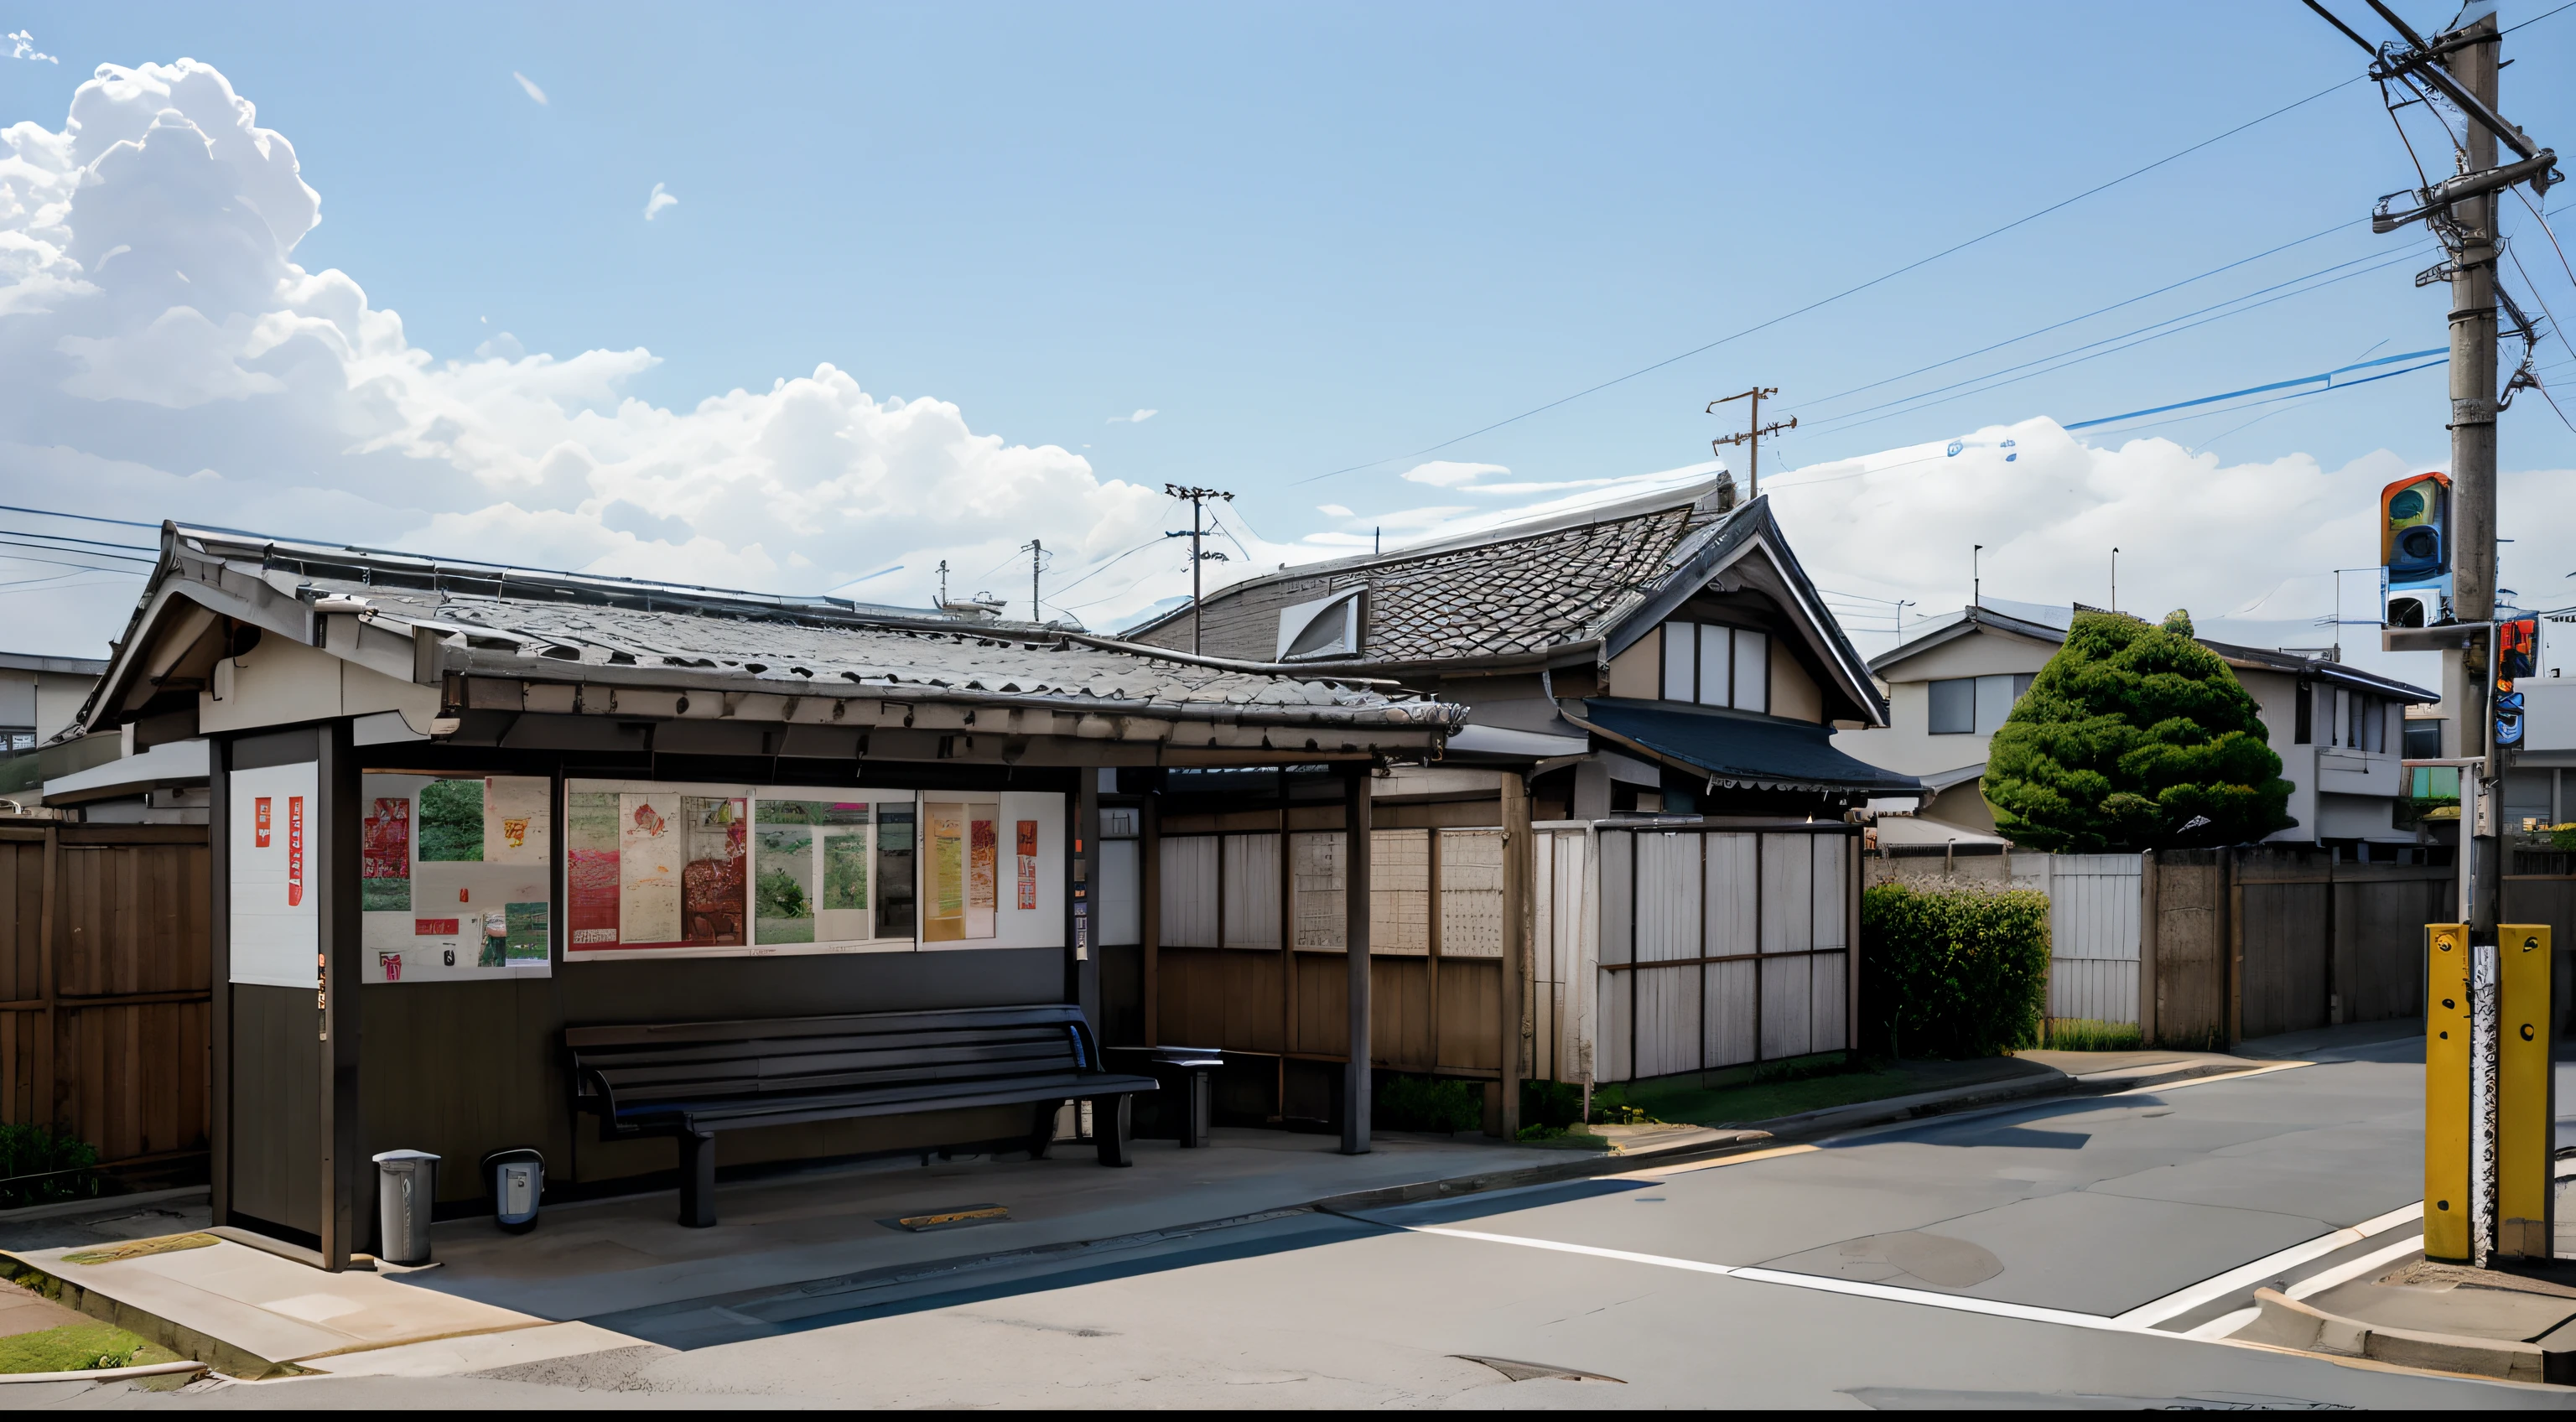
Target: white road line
2223	1326
2248	1276
2212	1080
2137	1320
2346	1272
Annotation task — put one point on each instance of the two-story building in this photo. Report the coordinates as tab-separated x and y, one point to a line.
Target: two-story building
2339	731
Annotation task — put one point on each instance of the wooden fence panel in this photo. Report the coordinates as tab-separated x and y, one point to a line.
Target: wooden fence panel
2191	949
2288	957
103	1033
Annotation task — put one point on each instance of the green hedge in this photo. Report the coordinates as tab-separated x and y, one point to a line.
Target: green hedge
1429	1103
1952	975
33	1162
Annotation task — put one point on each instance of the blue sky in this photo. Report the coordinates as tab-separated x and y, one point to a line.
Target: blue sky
1321	236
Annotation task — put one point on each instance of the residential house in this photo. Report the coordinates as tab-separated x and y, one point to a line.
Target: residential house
1646	775
2340	731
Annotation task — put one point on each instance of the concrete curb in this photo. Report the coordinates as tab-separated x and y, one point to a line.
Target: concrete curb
205	1348
139	1370
2284	1322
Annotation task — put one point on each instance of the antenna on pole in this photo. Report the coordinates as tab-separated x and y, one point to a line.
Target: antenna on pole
1036	549
943	582
2115	578
1976	578
1752	436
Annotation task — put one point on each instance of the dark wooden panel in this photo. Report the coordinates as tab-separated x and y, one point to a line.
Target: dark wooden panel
701	989
1471	1014
134	1077
1323	1004
22	895
1400	1013
19	1032
131	919
463	1069
2191	954
2379	970
277	1106
1221	997
1122	995
2287	957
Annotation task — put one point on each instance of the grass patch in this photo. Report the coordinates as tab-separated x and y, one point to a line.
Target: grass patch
78	1347
2083	1034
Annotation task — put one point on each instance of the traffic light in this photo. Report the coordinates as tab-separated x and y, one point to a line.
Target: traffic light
2415	551
2516	643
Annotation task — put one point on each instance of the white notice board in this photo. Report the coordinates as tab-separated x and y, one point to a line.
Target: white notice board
274	847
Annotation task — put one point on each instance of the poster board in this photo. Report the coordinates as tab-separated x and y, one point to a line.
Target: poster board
455	877
993	867
656	869
273	867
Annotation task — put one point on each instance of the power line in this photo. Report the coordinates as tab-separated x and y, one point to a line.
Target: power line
80	552
92	542
87	518
1850	290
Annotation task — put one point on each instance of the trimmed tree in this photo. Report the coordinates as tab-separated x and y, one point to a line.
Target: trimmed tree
2134	737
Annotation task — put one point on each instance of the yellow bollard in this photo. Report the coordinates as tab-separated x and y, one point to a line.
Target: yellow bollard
2525	1114
2448	1220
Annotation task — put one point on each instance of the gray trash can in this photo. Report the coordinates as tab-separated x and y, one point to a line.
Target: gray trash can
406	1185
517	1180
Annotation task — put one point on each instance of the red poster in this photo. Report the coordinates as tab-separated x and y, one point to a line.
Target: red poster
433	927
259	826
1028	837
294	847
384	840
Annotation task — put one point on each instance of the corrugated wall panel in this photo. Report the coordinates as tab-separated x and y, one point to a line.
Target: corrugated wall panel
1189	893
1251	890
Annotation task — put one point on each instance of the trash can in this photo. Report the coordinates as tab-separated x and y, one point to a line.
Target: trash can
406	1184
517	1180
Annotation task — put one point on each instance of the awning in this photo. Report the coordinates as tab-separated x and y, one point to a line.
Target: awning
1744	752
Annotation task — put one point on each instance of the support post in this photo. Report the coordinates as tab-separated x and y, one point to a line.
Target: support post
219	1006
2526	1104
1149	913
1355	939
2448	1209
1519	855
348	1186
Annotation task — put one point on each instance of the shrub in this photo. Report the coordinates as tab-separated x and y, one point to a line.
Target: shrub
1952	975
41	1152
1557	1104
1429	1103
2134	737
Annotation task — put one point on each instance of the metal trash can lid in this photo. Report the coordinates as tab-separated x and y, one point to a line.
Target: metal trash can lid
394	1157
513	1156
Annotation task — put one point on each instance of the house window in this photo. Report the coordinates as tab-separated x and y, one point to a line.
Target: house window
2423	739
1717	665
2301	730
1974	705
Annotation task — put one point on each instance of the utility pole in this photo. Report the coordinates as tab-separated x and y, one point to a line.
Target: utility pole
2115	578
1196	534
943	582
1036	549
2459	68
2473	474
1752	436
1976	576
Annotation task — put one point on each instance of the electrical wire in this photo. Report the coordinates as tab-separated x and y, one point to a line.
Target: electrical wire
86	518
1881	279
82	552
91	542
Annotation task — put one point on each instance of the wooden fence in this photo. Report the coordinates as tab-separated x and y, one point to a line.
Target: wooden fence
2256	941
104	985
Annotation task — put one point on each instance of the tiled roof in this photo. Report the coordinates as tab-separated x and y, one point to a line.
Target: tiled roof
1518	596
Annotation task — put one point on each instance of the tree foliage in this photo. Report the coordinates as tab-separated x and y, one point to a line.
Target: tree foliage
2134	737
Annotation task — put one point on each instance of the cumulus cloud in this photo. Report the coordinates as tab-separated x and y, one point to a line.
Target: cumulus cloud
22	45
1448	474
1138	418
530	85
166	356
657	201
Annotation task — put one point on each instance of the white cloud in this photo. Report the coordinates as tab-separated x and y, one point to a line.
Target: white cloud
658	201
1138	418
1447	474
166	356
22	45
1332	511
530	85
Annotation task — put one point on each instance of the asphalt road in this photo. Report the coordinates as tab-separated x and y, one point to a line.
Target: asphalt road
2047	1255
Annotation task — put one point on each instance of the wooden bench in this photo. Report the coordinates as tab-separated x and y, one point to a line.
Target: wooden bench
694	1079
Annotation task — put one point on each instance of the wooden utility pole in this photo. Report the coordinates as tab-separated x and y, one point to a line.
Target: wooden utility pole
1751	439
1196	533
1037	564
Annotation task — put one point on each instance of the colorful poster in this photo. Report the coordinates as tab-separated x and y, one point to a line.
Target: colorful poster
450	888
983	888
514	820
384	855
810	871
275	929
960	879
713	879
590	866
782	885
1027	840
648	868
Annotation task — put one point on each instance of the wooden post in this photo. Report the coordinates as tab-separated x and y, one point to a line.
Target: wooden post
1287	936
348	1193
2147	916
1149	913
45	1110
1519	851
2231	901
1355	940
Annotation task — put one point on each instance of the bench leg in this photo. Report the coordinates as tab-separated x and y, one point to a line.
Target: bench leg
1194	1123
1110	1124
1042	1134
698	1179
